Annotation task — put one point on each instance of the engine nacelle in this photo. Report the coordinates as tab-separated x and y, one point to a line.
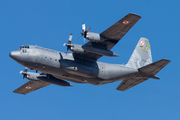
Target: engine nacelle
32	76
95	37
76	48
47	78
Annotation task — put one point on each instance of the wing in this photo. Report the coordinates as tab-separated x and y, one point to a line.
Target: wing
120	28
113	35
128	83
31	86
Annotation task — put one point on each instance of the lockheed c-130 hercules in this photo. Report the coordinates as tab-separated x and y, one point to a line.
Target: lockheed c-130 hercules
81	66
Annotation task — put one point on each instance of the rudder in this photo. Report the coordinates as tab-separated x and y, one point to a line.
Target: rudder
141	55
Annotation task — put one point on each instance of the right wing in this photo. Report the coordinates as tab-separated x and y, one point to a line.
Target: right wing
113	35
120	28
31	86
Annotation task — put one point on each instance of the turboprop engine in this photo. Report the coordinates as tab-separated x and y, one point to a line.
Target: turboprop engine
94	37
43	77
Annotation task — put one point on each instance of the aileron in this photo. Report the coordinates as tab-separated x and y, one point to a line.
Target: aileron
120	28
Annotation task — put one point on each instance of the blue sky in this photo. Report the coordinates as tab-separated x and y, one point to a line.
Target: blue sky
49	23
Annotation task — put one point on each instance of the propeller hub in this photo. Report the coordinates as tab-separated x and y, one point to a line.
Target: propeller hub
24	73
84	31
68	45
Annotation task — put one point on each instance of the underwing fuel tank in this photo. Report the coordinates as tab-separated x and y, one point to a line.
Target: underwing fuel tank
99	51
53	80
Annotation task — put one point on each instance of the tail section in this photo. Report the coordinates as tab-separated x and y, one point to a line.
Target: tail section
141	55
145	73
141	59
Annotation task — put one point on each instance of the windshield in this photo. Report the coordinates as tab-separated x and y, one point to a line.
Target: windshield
24	46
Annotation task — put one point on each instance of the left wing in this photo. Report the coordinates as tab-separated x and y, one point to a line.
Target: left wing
30	87
113	35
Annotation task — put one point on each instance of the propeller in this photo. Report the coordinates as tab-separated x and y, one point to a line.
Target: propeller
84	31
24	73
69	43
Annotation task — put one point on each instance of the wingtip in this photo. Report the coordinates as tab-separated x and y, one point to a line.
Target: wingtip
135	14
166	60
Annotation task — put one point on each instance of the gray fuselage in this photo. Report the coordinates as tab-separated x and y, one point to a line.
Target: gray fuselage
65	66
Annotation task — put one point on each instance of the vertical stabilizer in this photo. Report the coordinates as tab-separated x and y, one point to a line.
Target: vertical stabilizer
141	55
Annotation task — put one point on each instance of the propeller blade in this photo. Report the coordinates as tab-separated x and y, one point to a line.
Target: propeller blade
23	77
21	72
88	29
70	38
24	73
84	32
83	27
64	44
67	50
25	69
69	43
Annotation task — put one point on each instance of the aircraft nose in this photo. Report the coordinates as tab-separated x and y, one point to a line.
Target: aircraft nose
14	55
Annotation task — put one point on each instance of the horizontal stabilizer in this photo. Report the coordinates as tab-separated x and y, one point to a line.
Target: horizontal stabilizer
30	87
131	82
145	73
155	67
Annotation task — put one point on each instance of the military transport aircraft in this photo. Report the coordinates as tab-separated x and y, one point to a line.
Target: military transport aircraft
81	66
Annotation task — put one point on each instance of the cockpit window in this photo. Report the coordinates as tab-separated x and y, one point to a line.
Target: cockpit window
24	46
24	51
